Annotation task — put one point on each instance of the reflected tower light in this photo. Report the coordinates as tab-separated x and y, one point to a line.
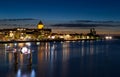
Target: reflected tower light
19	73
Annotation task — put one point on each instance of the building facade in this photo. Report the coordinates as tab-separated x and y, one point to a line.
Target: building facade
25	33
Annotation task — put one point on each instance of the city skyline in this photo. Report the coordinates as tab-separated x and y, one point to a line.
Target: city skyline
78	26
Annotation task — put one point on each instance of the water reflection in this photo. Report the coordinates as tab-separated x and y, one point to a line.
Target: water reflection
65	51
29	73
18	56
43	58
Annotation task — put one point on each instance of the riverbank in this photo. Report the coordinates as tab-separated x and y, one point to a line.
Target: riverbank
56	40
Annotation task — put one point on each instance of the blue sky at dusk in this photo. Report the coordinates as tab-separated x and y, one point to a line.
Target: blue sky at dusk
61	9
64	12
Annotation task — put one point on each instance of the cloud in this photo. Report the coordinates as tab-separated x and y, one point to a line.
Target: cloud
88	23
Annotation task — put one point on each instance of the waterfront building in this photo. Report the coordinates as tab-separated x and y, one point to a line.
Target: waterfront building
40	33
25	33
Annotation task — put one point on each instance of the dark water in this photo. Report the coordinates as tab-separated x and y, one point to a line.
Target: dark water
61	59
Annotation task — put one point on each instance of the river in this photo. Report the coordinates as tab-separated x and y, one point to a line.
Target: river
61	59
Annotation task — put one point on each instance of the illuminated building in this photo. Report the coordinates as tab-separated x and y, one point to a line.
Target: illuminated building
25	33
40	25
41	33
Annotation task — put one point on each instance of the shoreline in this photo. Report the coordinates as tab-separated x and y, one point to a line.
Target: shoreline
55	40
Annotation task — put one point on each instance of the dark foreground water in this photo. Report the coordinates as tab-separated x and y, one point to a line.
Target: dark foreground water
61	59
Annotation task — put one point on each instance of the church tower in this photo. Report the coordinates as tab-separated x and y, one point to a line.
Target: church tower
40	25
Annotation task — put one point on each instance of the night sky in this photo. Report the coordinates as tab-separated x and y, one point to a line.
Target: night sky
61	9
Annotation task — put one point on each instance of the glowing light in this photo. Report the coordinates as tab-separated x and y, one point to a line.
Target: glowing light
38	43
15	44
21	38
67	37
61	37
20	44
48	36
40	26
25	50
53	37
83	37
108	37
28	44
88	37
11	34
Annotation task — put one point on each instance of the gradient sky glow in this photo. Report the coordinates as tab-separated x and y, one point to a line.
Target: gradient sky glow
61	9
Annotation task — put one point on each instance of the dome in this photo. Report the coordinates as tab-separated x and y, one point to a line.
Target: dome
40	25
